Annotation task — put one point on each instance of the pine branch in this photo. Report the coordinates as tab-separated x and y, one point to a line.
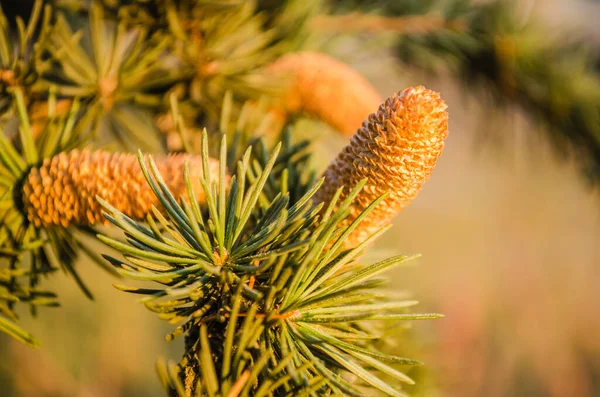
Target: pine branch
119	78
21	60
128	59
254	262
270	300
357	22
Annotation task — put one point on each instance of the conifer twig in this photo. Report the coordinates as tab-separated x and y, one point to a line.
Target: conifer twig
365	23
312	313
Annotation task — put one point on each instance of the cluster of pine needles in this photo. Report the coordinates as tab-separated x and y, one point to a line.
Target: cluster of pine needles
277	305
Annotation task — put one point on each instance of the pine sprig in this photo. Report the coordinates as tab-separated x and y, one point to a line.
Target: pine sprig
21	60
220	57
119	72
130	61
269	300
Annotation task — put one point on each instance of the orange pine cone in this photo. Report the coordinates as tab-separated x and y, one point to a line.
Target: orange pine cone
62	191
396	149
326	89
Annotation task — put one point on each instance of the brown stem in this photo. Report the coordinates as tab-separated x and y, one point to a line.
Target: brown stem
364	23
239	384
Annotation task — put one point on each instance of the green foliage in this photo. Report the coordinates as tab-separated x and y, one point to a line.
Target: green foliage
256	277
119	72
86	73
124	60
269	300
21	59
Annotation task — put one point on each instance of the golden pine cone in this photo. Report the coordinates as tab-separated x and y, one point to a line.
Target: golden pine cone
62	191
326	89
396	149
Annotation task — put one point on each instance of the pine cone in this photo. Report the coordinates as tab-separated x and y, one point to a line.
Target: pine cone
62	191
326	89
396	149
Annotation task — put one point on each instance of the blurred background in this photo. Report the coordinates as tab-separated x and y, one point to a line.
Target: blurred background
508	231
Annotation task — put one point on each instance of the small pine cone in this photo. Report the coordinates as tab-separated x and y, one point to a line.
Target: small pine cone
326	89
62	191
396	149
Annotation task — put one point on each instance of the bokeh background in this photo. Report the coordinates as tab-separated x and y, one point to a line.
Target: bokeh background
509	236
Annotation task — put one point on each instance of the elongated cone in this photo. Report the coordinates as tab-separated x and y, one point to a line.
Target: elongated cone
62	191
396	149
326	89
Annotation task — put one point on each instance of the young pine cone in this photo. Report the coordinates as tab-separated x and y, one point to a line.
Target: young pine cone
62	191
326	89
396	149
